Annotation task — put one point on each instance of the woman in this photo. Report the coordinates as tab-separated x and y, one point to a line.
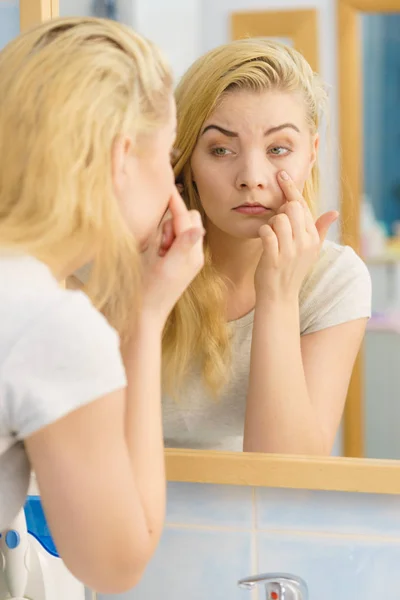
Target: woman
87	123
259	351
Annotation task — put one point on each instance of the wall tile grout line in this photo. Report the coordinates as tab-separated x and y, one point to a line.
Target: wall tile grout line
197	526
295	532
254	549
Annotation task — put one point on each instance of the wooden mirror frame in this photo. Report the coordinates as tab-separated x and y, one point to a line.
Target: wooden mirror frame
301	26
32	12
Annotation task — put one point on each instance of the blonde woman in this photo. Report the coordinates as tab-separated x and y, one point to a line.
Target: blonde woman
87	123
259	351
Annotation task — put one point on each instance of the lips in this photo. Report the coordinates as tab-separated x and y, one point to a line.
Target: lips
255	204
251	209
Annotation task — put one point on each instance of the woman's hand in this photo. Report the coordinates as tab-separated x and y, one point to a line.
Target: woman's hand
291	245
173	258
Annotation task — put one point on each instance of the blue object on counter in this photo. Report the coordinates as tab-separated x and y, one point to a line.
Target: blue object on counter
12	539
37	525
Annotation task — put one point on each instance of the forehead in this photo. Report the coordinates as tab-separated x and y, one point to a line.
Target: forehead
269	108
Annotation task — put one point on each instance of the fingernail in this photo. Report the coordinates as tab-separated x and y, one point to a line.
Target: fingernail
283	175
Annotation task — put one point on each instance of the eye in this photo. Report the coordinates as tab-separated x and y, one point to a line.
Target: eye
279	151
220	151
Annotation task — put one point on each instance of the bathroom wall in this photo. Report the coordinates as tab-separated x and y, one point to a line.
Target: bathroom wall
382	382
9	21
84	8
344	545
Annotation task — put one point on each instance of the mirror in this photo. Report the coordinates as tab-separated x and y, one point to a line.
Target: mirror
231	420
184	424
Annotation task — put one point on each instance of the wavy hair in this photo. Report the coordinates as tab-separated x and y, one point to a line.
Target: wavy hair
197	329
68	89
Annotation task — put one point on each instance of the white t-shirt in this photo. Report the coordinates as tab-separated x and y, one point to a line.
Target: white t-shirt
337	290
57	353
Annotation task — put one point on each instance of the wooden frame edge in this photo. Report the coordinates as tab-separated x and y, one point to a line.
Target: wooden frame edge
300	25
33	12
297	472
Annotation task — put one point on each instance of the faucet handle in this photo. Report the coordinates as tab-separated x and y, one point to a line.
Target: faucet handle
278	586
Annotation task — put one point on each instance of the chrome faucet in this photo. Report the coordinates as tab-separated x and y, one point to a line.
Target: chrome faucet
278	586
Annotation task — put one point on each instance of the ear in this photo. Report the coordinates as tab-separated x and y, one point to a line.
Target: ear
121	156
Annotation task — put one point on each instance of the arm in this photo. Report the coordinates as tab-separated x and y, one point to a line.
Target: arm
298	386
106	510
100	469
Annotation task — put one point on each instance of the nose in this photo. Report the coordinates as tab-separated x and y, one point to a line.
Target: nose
254	172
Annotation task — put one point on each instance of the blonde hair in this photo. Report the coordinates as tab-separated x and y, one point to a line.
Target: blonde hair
197	329
68	89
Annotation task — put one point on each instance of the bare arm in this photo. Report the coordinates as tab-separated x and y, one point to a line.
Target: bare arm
100	469
298	386
100	472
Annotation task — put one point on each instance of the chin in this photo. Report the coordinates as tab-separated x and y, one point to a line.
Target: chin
248	232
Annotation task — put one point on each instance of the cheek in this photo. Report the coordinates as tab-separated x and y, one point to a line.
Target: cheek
211	180
299	170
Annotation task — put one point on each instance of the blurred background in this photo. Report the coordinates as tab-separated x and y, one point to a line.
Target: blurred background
185	29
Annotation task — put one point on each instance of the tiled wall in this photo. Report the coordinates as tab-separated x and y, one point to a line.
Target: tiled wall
346	546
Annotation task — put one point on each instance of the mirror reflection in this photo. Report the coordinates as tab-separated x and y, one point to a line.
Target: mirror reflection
259	352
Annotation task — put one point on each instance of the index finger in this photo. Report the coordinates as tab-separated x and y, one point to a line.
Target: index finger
179	212
288	187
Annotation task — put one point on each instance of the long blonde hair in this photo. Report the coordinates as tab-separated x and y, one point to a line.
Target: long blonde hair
197	329
68	89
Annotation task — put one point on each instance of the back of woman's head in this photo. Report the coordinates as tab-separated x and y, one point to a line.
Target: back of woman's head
197	327
68	89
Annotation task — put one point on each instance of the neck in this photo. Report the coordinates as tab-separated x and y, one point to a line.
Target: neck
235	259
62	270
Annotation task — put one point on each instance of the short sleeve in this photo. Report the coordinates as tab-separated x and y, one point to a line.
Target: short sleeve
68	358
338	290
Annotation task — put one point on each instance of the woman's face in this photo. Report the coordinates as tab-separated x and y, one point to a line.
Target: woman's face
245	142
144	180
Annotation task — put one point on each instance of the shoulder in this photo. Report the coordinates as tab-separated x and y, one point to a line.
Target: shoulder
336	263
33	303
67	357
57	352
67	323
338	289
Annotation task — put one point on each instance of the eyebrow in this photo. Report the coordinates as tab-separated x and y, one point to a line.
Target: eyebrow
269	131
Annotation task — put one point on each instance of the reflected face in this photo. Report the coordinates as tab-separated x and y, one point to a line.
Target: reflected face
243	145
144	180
